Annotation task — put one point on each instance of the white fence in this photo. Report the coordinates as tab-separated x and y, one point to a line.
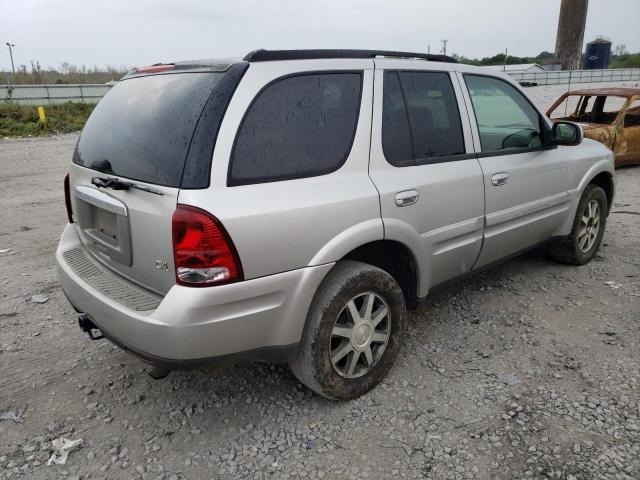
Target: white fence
52	94
92	93
559	77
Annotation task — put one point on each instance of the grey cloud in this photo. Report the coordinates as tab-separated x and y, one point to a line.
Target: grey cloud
137	32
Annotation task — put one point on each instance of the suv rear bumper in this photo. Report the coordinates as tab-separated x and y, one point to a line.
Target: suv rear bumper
258	319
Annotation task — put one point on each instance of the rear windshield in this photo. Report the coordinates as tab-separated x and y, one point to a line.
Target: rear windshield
143	127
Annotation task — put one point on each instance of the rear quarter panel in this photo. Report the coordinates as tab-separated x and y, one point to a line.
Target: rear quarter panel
285	225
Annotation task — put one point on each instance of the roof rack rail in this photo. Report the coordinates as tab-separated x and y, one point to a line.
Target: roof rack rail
270	55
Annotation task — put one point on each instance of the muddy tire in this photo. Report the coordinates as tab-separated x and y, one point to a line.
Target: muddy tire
353	331
587	231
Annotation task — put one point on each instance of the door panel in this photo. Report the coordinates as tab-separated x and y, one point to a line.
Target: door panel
528	208
525	183
443	223
627	146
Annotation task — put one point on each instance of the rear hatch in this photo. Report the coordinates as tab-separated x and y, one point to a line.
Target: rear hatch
127	171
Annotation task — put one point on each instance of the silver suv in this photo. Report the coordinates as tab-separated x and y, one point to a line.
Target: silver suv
291	206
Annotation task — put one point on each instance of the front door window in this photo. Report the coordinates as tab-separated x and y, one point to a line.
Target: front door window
505	118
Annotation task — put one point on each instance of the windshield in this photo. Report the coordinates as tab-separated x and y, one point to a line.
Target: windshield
143	127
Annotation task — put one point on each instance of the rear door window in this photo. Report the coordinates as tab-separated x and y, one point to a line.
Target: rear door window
610	109
299	126
143	127
396	134
420	118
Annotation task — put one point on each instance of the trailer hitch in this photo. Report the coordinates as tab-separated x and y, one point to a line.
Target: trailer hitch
86	325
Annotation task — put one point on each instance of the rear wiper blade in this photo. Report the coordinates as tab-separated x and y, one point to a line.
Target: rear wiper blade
116	184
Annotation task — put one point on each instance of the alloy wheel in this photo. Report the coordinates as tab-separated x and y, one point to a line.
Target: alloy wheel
360	335
589	226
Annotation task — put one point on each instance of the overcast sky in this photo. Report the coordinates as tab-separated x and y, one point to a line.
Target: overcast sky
142	32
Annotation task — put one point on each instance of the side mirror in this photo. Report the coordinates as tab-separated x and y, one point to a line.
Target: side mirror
566	133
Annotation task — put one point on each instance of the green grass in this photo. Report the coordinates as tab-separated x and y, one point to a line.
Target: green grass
22	120
631	60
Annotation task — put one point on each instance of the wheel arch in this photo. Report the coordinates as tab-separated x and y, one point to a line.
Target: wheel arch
605	181
601	174
396	259
366	242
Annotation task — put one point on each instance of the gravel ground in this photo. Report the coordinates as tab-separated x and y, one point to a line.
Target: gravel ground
528	370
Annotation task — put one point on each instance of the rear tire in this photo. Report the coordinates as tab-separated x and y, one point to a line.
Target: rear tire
587	231
353	331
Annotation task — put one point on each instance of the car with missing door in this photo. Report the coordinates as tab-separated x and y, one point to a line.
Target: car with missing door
291	206
609	115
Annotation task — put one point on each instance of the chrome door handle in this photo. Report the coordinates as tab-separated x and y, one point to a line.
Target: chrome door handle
500	179
407	197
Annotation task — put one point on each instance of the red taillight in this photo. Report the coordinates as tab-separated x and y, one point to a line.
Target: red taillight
202	250
67	198
155	68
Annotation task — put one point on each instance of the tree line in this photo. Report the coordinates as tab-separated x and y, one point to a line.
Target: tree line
68	73
619	58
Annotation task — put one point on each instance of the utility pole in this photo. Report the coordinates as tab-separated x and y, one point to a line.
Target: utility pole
13	68
506	54
571	24
11	55
444	46
428	48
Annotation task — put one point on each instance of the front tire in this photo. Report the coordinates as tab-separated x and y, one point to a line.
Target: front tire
587	231
353	332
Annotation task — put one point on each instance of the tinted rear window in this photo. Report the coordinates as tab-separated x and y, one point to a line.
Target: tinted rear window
143	127
420	118
396	134
300	126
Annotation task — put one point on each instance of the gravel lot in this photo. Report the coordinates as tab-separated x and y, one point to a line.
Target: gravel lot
528	370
